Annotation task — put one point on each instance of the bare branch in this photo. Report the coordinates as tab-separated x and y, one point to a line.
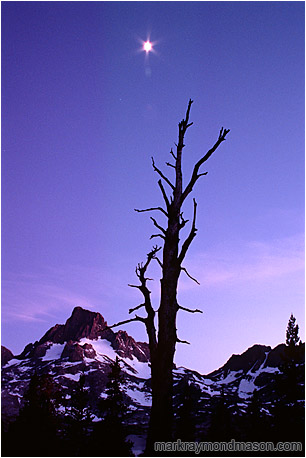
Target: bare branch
191	235
136	308
172	154
162	175
159	262
149	320
185	121
170	165
138	269
183	125
136	318
150	256
223	133
188	275
158	226
182	341
164	195
157	235
188	110
195	175
134	286
155	249
184	221
151	209
189	310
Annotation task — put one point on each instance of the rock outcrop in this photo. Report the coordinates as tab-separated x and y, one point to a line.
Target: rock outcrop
6	355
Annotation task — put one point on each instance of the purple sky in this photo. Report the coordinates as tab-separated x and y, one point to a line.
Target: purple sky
83	111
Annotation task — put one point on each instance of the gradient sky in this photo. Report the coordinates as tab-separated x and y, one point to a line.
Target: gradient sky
83	111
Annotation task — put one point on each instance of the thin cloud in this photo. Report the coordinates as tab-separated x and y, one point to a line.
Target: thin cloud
254	261
39	297
32	298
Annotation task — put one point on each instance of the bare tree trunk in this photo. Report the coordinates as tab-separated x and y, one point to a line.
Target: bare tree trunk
162	343
162	380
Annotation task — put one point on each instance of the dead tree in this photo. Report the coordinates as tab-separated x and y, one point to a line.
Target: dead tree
163	339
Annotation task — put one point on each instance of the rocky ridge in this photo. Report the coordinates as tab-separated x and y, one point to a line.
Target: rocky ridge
85	324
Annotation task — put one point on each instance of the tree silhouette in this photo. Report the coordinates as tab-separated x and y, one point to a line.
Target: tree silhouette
292	332
288	413
187	399
78	420
35	432
163	339
221	422
109	435
254	421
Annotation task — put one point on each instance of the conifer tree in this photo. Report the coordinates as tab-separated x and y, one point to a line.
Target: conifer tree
109	436
292	350
292	332
254	424
79	402
221	427
288	412
114	405
37	425
185	419
79	420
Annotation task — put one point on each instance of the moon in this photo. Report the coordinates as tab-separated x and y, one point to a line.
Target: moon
147	46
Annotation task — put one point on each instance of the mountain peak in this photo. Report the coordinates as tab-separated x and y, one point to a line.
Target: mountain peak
81	323
90	325
252	358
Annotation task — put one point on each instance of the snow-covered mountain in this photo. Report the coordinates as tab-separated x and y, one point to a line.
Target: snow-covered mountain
85	345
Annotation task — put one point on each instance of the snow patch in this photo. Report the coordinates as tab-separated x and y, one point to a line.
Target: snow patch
69	363
143	369
271	370
180	370
102	347
139	397
231	377
75	377
13	362
105	352
246	388
54	352
213	392
207	381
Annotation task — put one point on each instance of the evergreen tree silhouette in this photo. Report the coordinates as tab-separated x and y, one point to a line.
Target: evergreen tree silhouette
34	433
185	418
78	420
289	416
109	435
221	427
292	332
255	428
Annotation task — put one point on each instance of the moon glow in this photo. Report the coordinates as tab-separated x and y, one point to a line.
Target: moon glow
147	46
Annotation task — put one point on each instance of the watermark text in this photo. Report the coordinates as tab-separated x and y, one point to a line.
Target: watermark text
231	446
